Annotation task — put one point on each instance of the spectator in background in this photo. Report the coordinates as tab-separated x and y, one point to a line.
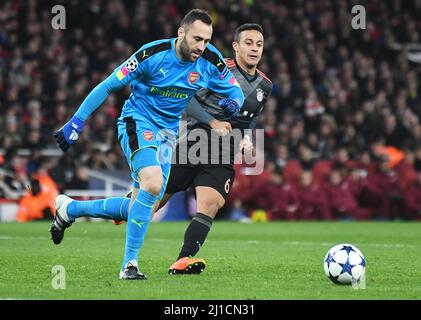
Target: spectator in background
48	186
97	161
382	191
10	184
341	159
355	86
34	161
36	204
280	199
14	165
405	170
237	201
417	161
248	189
413	200
80	180
313	111
306	157
6	188
312	198
62	172
281	157
342	201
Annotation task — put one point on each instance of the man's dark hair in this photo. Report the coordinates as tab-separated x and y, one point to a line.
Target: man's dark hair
196	14
244	27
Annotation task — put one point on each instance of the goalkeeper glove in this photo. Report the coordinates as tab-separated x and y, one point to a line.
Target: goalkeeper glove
231	106
69	133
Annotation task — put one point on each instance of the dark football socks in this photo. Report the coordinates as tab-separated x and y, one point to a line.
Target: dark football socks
195	235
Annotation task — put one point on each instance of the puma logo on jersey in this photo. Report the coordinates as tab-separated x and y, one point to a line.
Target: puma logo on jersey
163	71
144	54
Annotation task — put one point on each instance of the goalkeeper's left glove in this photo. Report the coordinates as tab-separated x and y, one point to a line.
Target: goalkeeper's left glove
69	133
231	106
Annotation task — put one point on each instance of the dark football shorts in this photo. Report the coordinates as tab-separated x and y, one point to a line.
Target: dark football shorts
219	178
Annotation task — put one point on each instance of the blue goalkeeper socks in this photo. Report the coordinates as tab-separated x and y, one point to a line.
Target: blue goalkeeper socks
137	224
109	208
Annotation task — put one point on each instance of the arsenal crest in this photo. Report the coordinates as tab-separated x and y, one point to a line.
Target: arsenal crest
193	76
148	135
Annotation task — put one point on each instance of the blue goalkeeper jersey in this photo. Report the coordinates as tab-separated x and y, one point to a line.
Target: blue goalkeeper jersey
162	84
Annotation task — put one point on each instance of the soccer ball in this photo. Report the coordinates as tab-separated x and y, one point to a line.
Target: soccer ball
343	263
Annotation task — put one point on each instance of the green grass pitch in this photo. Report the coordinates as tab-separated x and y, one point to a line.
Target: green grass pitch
274	261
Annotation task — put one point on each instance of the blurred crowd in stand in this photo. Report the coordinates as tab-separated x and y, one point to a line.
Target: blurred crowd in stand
342	128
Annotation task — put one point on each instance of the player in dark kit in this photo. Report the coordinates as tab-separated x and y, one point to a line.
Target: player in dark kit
212	174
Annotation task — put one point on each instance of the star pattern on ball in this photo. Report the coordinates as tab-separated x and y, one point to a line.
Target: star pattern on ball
329	259
348	249
342	265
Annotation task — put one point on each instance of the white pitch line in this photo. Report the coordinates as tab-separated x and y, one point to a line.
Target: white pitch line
293	243
26	238
301	243
36	238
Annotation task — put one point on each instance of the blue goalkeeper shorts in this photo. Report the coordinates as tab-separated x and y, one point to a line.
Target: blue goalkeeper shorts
135	135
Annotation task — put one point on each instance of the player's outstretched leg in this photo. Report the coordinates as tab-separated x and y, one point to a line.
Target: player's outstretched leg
61	220
121	220
68	210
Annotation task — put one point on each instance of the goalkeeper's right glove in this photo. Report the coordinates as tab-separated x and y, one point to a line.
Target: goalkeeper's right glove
69	133
231	106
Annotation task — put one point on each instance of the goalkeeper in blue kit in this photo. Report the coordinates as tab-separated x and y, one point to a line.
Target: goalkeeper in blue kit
163	75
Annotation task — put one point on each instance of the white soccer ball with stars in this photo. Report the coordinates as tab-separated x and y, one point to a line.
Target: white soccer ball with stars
344	262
